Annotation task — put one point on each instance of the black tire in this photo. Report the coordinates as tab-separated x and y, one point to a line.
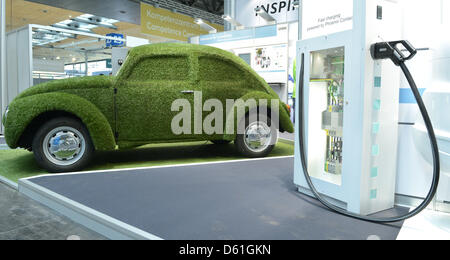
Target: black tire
243	147
220	142
73	133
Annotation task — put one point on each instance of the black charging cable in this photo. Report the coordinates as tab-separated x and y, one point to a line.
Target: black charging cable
379	51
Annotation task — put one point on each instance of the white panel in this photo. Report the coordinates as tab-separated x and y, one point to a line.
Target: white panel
48	65
322	17
135	41
18	63
413	172
282	10
23	61
424	25
11	65
445	11
381	107
194	40
118	54
19	76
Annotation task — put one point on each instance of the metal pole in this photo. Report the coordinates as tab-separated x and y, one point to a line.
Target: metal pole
86	59
230	9
4	92
300	21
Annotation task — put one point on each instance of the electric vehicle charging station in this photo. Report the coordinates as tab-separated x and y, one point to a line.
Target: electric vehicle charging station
350	105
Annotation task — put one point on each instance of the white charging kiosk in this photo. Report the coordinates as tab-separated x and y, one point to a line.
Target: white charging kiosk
351	103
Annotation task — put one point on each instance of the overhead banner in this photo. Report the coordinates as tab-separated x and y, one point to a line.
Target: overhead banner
322	17
167	24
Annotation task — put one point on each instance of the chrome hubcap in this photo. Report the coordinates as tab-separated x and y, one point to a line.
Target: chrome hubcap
258	136
64	146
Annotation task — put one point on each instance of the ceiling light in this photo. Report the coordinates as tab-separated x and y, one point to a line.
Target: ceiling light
205	26
233	22
261	12
198	21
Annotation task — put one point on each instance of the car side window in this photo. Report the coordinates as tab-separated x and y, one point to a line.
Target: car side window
161	68
214	69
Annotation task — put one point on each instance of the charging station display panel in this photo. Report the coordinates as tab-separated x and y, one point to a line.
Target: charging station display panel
326	114
324	17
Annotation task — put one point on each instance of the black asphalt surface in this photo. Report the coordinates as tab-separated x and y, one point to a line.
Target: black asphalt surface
249	200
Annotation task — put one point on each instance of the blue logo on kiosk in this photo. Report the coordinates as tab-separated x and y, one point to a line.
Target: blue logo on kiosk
114	43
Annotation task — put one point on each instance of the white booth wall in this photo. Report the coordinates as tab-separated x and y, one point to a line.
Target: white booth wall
283	11
19	65
425	25
274	41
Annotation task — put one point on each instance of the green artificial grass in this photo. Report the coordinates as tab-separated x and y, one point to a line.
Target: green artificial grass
152	77
17	164
218	74
97	82
24	110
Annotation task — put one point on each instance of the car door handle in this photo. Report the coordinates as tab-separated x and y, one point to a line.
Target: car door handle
187	92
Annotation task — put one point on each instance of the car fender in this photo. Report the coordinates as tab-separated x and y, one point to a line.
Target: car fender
232	120
22	111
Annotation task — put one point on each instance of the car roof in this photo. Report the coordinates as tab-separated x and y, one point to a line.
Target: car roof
187	49
184	49
176	48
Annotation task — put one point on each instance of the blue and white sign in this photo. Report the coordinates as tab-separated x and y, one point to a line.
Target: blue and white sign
115	43
228	36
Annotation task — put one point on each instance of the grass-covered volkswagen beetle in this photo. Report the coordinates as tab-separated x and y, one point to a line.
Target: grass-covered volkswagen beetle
64	121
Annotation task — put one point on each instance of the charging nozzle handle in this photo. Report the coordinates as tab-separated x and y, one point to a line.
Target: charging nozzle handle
389	50
411	49
408	46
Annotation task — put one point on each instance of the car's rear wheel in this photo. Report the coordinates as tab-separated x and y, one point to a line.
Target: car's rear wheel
259	137
62	145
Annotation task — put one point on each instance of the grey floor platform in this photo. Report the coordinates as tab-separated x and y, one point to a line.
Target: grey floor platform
254	200
287	136
24	219
3	143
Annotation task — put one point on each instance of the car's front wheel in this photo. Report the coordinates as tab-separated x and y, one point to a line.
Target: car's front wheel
62	145
259	137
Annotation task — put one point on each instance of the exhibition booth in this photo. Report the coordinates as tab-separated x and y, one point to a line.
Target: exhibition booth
361	90
269	50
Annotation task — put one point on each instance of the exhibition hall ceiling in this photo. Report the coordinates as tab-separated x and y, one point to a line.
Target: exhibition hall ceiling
129	10
122	10
126	14
212	6
20	13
